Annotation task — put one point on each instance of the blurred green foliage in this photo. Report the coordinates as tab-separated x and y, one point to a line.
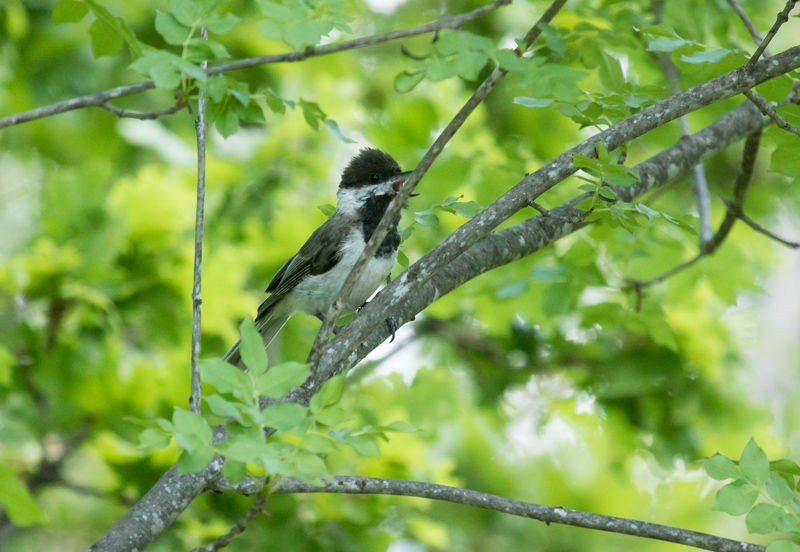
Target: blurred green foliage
539	381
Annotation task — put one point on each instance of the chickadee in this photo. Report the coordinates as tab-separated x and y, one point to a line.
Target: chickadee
311	279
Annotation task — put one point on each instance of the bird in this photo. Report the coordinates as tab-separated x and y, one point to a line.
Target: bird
312	278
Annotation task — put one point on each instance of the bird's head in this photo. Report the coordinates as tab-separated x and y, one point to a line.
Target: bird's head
369	174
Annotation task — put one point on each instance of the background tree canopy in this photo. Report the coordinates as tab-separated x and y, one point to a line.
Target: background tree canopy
568	377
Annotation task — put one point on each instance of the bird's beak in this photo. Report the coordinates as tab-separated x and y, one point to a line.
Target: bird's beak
399	182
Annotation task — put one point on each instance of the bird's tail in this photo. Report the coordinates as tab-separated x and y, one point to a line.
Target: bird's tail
268	328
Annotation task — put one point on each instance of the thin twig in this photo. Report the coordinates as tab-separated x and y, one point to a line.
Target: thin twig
547	213
238	529
767	110
783	17
734	212
546	514
760	229
96	99
144	115
197	298
757	38
405	192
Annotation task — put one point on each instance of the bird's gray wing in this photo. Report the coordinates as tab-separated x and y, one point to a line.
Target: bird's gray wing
318	255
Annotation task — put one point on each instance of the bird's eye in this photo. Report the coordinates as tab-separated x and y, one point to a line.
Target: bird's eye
374	178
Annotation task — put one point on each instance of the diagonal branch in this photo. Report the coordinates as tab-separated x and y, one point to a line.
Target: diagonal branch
102	97
757	38
548	514
782	18
338	355
238	529
393	211
767	110
761	230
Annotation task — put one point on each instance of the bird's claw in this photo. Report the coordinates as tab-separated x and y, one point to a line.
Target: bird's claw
392	323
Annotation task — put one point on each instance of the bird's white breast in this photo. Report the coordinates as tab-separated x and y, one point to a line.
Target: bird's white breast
316	293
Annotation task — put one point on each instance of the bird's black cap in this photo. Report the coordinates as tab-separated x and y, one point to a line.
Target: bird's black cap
370	166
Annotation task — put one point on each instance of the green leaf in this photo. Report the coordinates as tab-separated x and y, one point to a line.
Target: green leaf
754	464
510	61
718	466
583	162
312	113
17	501
735	498
331	124
166	77
220	24
401	426
533	102
283	416
247	447
783	546
514	289
664	44
69	11
150	439
309	468
193	70
190	424
106	40
119	27
611	73
366	445
329	394
707	57
185	11
280	379
333	416
762	518
785	466
779	490
318	444
221	407
226	378
196	460
234	471
227	123
172	31
406	81
252	348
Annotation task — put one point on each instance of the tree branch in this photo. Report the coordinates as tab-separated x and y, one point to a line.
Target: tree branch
548	514
783	17
238	529
143	115
757	38
393	211
767	110
197	297
102	97
760	229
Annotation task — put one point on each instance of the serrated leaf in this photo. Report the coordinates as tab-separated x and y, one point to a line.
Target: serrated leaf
196	460
185	422
225	377
329	394
69	11
252	348
754	464
170	30
283	416
735	498
280	379
762	518
718	466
